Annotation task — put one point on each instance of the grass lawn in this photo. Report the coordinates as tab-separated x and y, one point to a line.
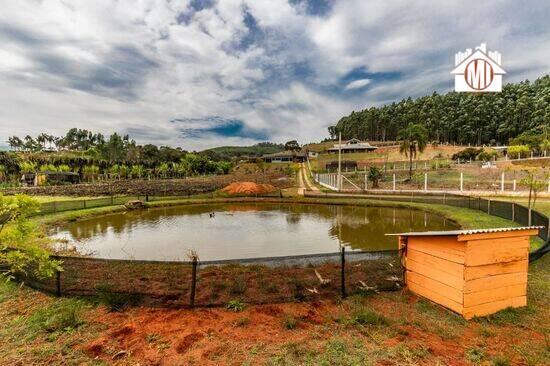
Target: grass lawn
392	328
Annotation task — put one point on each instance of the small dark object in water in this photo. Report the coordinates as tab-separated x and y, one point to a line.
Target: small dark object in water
212	214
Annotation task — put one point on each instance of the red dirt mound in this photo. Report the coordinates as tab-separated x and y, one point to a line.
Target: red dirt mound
248	188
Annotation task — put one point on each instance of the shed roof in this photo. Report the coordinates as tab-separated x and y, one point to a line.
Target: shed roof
468	232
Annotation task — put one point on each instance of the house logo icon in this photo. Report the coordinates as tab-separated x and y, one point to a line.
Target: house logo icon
478	70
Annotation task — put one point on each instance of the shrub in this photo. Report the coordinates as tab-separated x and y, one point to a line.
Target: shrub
487	155
519	151
235	305
27	167
467	154
22	244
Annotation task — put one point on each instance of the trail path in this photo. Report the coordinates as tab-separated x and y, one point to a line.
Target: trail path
303	180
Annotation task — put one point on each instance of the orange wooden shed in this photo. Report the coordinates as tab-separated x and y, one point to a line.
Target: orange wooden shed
472	272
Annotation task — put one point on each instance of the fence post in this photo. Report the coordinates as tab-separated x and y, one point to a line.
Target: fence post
513	211
54	206
84	203
426	182
366	182
489	206
394	182
193	282
58	283
343	271
514	185
461	181
529	218
502	182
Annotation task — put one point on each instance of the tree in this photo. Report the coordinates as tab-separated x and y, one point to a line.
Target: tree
374	176
535	185
15	143
22	244
520	110
292	145
518	151
544	146
412	140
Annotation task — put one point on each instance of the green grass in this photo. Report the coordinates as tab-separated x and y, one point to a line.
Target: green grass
290	322
42	330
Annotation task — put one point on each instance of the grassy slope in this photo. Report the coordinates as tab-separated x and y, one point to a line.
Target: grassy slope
41	329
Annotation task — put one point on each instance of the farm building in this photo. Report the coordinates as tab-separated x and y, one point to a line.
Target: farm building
472	272
352	146
285	157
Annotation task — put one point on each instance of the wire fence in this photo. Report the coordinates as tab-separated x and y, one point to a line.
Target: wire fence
254	281
506	210
80	204
213	283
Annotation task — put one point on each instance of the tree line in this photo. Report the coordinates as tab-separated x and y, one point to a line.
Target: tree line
521	109
92	156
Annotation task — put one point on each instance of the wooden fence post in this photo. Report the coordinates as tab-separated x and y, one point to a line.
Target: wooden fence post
343	272
58	283
193	282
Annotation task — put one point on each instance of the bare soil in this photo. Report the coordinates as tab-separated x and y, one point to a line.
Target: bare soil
248	188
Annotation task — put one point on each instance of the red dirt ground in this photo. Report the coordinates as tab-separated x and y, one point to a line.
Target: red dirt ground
219	337
248	188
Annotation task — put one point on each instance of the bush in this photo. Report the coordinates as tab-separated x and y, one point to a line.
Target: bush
235	305
22	245
487	155
467	154
518	151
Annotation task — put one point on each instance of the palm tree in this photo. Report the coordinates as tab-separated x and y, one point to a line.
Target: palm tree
412	140
15	143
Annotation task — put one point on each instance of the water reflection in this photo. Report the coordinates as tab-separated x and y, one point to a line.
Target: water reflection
244	230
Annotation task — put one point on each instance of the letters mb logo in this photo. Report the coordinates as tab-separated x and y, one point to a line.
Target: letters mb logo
478	70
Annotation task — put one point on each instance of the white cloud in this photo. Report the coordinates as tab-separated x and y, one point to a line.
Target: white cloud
135	66
358	84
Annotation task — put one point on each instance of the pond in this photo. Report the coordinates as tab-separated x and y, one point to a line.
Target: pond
243	230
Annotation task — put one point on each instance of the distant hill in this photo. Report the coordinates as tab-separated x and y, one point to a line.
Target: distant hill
228	152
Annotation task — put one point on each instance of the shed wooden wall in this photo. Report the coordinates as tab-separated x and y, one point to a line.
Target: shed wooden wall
473	275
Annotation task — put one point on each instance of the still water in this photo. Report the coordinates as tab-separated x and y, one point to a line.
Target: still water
232	231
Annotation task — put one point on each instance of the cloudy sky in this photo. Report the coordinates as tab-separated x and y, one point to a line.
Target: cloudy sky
203	73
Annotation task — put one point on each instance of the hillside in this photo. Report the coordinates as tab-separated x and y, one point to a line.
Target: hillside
458	118
228	152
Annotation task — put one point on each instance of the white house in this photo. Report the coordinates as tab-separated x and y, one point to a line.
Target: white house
351	146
